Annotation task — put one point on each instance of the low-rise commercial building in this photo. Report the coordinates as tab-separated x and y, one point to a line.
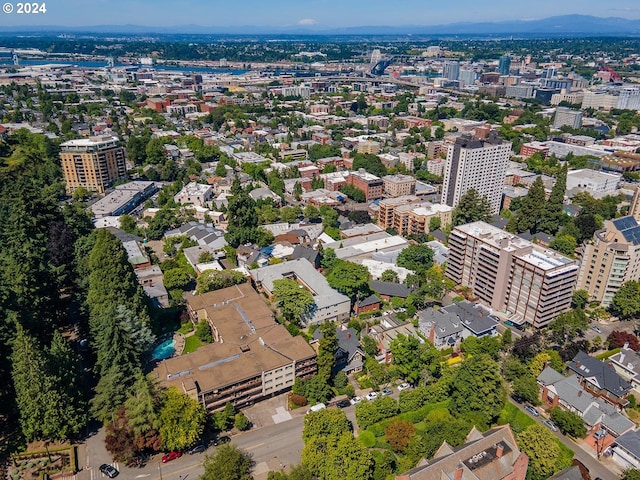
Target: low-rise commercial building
399	185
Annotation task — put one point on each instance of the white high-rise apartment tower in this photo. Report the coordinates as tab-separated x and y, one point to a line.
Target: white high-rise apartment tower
477	164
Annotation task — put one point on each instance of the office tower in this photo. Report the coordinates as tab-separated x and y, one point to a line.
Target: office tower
550	72
566	116
451	70
504	64
93	163
525	281
477	164
610	259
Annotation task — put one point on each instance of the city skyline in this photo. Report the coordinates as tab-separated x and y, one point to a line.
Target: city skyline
311	14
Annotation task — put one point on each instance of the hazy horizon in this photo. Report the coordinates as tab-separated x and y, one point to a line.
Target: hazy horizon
310	13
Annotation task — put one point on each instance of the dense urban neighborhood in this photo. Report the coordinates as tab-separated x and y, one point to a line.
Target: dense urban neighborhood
305	259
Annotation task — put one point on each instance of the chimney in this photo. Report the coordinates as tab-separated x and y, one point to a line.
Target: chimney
499	450
626	346
457	475
579	393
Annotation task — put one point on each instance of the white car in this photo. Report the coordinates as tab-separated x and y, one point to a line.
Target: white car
355	400
372	396
403	386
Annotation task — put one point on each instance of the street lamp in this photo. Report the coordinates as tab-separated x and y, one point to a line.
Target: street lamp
160	469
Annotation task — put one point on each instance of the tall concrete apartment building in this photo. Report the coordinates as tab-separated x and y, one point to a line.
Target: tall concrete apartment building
566	116
504	65
610	259
93	163
529	283
451	69
477	164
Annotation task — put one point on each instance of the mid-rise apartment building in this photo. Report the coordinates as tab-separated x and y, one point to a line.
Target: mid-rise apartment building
529	283
387	206
253	357
414	219
399	185
92	163
371	185
610	259
477	164
567	117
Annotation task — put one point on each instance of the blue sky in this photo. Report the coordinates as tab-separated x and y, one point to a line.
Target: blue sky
325	13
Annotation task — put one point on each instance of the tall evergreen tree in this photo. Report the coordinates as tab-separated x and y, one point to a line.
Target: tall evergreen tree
143	411
532	206
471	208
553	212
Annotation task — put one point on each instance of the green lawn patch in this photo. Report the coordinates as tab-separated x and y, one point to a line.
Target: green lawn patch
607	354
191	344
367	438
512	415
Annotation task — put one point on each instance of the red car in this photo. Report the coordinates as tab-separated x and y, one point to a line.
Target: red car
167	457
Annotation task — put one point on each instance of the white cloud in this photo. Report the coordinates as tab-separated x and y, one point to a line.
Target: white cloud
307	21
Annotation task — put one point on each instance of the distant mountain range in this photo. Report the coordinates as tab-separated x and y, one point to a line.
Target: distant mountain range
566	25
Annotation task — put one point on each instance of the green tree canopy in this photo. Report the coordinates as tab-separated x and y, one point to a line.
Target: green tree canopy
293	299
543	451
182	420
472	207
477	388
626	301
350	279
228	463
418	258
211	280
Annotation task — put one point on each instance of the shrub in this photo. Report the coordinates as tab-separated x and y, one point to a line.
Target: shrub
203	332
298	400
367	438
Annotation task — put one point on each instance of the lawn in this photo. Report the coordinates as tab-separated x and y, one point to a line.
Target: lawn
191	344
513	415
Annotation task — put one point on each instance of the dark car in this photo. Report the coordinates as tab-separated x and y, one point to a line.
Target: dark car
201	447
517	398
167	457
109	470
221	440
343	403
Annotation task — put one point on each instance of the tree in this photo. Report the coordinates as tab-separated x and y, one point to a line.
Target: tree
389	276
297	191
182	420
350	279
553	211
330	422
565	244
211	280
241	422
477	388
119	440
293	300
543	451
311	212
127	223
203	332
176	279
626	301
243	220
632	473
526	387
142	412
579	298
399	434
327	347
618	339
411	358
568	422
369	346
531	207
471	208
418	258
228	463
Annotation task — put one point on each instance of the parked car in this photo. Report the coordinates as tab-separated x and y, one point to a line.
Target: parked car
386	391
109	470
201	447
517	398
372	396
355	400
596	328
532	410
551	425
403	386
221	440
599	434
167	457
343	403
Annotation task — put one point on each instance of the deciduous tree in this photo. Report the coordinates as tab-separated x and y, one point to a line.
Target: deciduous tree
293	300
182	420
228	463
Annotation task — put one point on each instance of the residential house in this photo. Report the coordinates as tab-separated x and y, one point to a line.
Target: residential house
349	356
569	394
627	364
600	379
625	451
312	256
388	290
369	304
151	279
388	330
492	455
